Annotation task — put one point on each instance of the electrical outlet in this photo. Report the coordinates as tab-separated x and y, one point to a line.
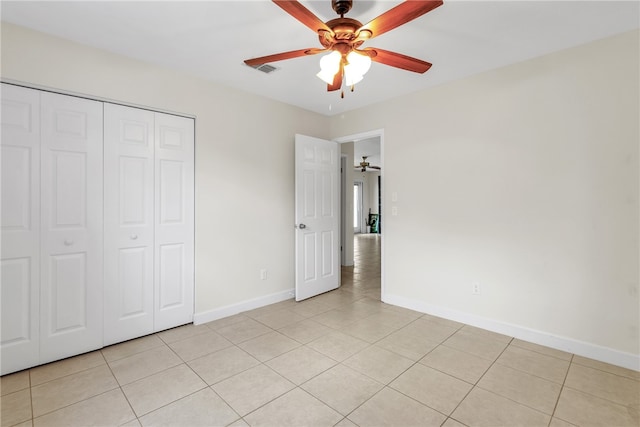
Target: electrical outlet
475	288
263	274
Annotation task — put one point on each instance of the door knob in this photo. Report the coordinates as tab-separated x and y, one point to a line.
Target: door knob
68	242
133	236
302	226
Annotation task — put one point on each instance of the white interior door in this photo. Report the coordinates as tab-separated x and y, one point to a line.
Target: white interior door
174	221
129	230
71	293
20	223
317	216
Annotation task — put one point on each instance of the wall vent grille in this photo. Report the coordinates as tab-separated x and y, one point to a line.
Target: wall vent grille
266	68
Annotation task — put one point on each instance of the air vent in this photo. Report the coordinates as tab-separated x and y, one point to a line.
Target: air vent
266	68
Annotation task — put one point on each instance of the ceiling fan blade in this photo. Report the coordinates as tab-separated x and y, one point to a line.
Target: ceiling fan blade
375	167
302	14
256	62
399	15
398	60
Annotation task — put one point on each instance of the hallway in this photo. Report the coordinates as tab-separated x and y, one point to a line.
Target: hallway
363	278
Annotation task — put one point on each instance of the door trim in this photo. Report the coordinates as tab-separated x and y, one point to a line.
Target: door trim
90	97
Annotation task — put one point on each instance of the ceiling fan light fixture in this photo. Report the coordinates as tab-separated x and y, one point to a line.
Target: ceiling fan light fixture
358	62
357	66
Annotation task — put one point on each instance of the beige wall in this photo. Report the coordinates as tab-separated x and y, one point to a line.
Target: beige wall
244	157
528	185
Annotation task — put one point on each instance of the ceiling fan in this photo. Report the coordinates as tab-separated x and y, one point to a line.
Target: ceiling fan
343	37
364	165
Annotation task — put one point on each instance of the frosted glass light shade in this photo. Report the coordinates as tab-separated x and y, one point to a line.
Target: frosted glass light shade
356	68
329	66
359	63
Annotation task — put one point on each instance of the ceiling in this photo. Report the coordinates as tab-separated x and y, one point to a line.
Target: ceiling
369	147
210	39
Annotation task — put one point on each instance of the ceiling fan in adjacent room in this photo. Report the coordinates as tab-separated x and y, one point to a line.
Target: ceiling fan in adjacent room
342	39
364	165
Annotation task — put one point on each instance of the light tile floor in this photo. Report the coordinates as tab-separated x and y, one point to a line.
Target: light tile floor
343	358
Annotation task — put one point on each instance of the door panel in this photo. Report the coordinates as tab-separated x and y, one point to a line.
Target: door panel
16	188
16	301
68	292
132	279
174	221
317	206
20	228
171	276
71	226
68	189
171	192
129	229
328	243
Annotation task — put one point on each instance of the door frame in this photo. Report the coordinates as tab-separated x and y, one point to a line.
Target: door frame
355	138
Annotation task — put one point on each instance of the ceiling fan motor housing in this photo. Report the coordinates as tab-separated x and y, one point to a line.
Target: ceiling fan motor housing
341	6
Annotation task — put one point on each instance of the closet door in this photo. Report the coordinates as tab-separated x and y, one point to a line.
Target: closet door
129	228
20	221
174	220
71	318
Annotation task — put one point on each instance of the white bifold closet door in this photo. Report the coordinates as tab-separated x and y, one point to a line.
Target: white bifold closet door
149	222
20	265
51	227
71	226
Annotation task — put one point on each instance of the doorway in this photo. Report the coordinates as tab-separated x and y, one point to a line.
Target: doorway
366	249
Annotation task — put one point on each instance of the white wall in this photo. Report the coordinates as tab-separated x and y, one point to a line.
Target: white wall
528	186
244	157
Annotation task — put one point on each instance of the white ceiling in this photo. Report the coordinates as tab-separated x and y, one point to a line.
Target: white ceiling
210	39
369	147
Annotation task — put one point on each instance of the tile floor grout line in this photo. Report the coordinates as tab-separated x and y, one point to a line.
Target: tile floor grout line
541	353
226	403
62	360
122	391
568	387
31	398
270	400
474	385
531	373
605	372
562	387
74	403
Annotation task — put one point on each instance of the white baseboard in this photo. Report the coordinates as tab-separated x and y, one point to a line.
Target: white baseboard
570	345
230	310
